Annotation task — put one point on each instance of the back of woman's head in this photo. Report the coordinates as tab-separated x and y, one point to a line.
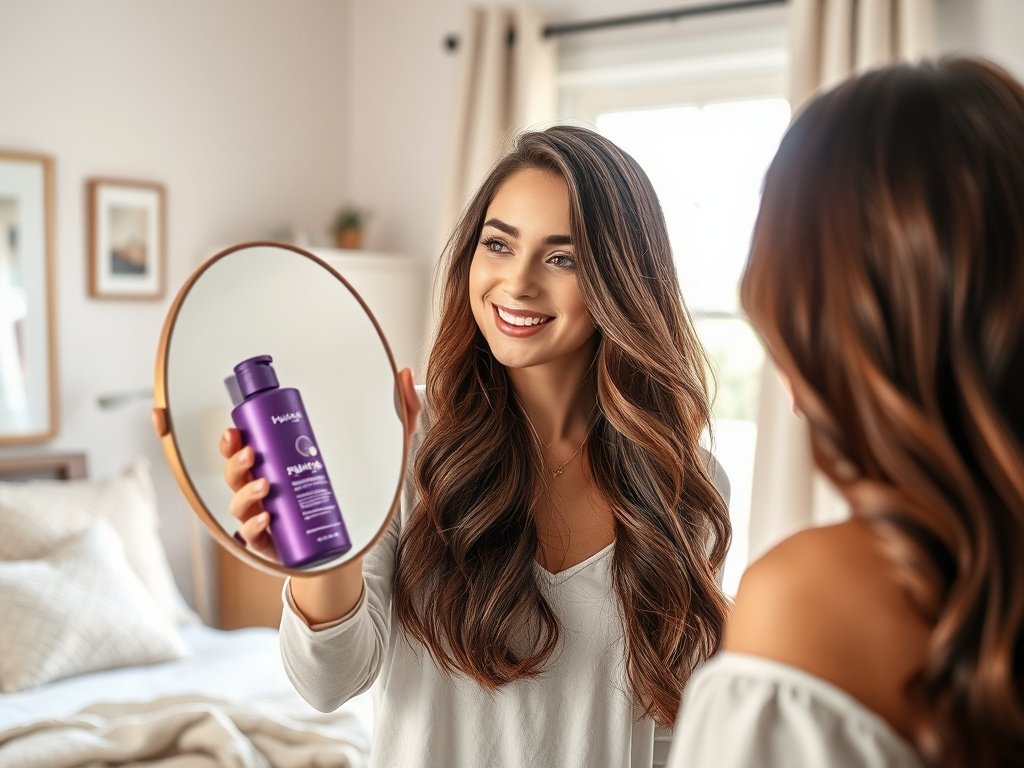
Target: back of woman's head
887	279
465	586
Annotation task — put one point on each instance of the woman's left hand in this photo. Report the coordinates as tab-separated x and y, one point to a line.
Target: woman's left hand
407	389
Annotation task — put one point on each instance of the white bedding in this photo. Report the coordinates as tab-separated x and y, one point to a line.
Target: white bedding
240	666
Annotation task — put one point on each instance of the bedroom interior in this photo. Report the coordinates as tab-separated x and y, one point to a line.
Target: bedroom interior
256	118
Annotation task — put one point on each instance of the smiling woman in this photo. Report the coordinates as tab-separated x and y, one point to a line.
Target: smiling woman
550	582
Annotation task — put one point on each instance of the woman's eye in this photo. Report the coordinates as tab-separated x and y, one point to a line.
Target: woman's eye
562	260
495	246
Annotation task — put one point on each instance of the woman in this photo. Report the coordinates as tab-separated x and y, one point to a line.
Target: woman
550	581
886	278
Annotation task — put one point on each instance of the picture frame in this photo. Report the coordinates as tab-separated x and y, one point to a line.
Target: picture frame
127	239
29	391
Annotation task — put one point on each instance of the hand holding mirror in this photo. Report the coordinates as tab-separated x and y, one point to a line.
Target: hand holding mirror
268	300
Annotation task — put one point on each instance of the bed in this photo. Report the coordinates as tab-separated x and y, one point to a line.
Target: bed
103	663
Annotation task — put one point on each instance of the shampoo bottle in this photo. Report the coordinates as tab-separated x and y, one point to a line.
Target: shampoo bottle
305	520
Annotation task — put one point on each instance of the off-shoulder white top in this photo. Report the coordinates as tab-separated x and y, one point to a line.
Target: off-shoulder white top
749	711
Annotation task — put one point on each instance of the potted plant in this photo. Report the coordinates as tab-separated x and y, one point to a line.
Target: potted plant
348	225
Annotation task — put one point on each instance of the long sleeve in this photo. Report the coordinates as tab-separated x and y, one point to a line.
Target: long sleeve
329	664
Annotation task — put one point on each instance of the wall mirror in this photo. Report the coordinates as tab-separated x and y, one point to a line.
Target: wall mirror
28	375
270	299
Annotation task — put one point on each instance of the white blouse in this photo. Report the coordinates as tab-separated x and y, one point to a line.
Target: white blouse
749	711
578	713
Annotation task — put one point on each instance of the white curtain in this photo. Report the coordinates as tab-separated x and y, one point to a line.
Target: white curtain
831	39
828	41
506	82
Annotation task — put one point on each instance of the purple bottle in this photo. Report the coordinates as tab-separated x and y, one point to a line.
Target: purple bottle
305	521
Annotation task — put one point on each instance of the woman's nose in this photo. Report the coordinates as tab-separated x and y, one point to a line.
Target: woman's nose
521	279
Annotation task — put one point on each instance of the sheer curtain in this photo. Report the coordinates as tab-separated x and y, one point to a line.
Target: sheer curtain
831	39
506	82
828	41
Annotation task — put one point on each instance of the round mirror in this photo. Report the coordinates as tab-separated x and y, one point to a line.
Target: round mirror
340	444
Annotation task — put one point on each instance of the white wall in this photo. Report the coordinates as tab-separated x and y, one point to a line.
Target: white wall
990	28
1000	28
239	107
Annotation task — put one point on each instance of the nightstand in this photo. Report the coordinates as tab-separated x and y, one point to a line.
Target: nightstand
246	597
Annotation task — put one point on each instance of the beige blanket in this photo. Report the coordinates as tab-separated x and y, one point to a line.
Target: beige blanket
189	732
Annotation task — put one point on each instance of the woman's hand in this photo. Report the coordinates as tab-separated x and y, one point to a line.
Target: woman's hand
412	401
246	504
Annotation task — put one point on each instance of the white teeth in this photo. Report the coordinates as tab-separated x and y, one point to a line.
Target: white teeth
517	320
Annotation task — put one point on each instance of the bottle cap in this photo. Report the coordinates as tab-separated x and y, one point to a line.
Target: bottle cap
255	375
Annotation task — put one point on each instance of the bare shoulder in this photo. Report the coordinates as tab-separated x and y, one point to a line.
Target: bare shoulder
797	579
827	601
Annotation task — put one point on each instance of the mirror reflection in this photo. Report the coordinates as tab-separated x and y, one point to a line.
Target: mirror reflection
271	339
28	408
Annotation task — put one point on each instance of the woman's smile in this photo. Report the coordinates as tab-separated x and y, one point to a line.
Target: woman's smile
519	322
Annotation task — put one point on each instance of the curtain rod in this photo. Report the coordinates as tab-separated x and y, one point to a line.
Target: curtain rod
451	42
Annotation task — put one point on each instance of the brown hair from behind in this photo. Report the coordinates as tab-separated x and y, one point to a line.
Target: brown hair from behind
886	278
465	585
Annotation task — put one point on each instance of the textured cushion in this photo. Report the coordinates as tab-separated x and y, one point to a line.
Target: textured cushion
39	515
80	609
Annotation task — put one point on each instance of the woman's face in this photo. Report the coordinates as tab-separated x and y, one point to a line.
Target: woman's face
523	283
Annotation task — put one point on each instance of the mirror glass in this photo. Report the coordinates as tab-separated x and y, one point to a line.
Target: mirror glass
28	405
268	299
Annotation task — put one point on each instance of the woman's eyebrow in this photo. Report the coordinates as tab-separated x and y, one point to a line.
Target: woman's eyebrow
511	231
508	229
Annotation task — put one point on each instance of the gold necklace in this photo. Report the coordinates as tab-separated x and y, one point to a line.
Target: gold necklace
558	470
561	467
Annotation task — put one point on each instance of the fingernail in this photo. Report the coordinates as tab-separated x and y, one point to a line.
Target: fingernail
261	485
240	539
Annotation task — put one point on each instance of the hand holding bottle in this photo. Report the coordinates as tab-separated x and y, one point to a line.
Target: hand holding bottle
247	502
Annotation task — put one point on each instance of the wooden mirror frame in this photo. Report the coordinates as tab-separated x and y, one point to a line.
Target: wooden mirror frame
53	403
162	418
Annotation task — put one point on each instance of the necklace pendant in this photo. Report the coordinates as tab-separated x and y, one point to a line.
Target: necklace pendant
556	472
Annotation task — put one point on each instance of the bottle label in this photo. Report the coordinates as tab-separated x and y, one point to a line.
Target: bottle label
316	500
306	518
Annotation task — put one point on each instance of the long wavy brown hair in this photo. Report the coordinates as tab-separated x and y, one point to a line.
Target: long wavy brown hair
887	279
465	585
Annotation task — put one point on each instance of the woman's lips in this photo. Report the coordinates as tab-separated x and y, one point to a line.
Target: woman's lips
519	331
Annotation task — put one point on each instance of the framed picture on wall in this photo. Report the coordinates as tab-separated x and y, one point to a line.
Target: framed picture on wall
127	239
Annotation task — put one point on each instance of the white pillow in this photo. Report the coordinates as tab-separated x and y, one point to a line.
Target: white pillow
38	515
80	609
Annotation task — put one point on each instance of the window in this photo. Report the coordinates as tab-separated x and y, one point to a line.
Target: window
706	164
704	127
